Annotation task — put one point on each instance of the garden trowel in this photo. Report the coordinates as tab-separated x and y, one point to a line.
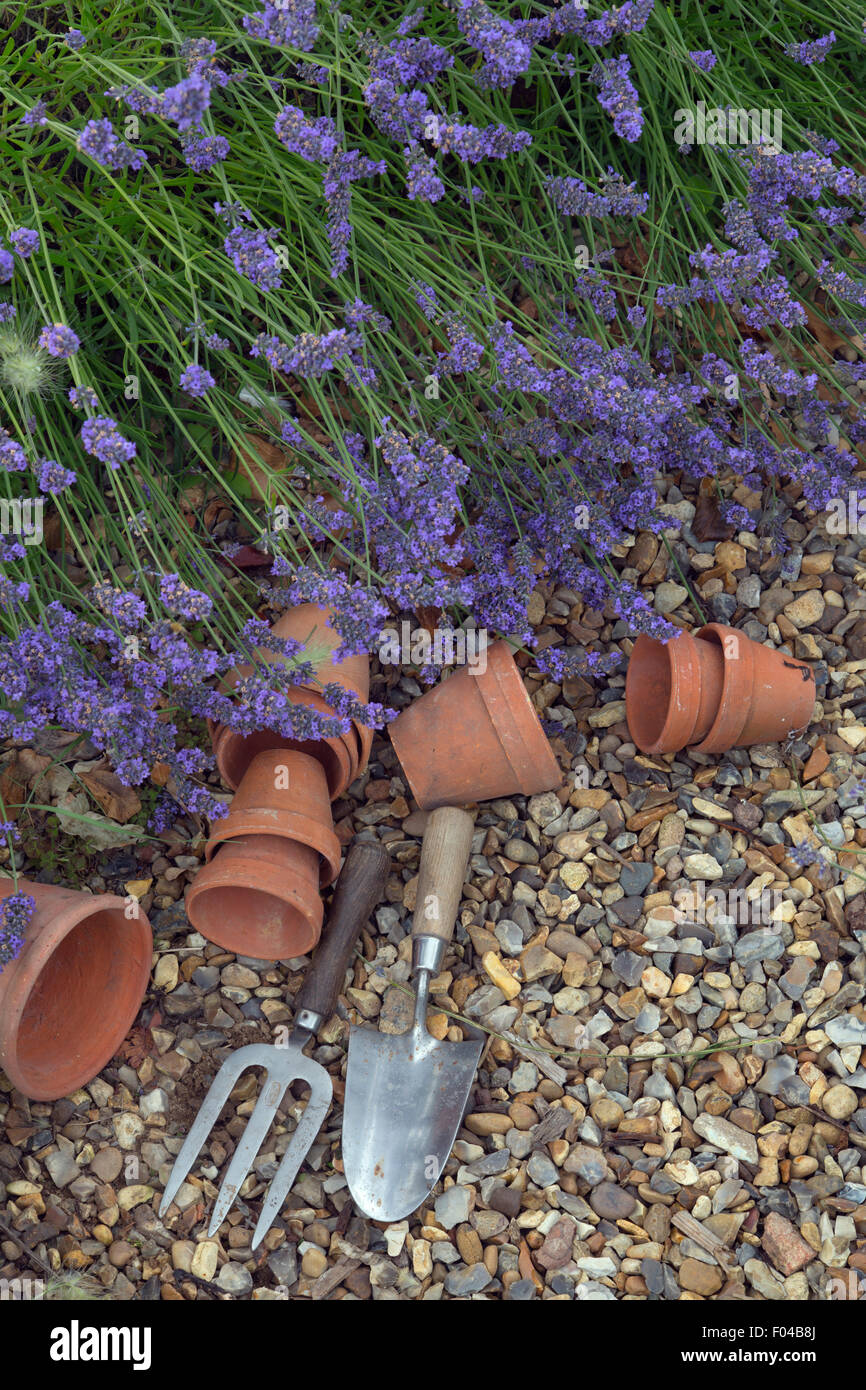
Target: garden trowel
406	1093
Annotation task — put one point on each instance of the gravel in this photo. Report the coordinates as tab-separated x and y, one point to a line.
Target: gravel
673	1098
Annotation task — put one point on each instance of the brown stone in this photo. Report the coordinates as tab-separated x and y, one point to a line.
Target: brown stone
785	1246
556	1250
700	1278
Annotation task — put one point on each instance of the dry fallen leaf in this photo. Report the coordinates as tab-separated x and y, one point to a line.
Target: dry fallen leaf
120	803
707	524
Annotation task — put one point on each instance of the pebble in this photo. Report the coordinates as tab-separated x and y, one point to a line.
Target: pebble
234	1279
542	1170
839	1102
468	1280
62	1167
758	945
612	1202
669	596
452	1207
521	851
702	866
727	1137
509	936
806	610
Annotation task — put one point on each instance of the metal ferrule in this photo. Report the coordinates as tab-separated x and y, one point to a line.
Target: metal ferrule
308	1020
427	953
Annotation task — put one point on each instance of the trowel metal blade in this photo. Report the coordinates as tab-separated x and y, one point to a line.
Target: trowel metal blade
405	1098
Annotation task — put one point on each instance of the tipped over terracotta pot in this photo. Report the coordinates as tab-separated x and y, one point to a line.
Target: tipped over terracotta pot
339	755
713	691
259	896
474	737
70	997
259	890
283	793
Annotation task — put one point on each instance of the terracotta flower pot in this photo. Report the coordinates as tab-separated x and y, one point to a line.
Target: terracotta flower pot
283	793
339	755
259	896
474	737
714	691
70	997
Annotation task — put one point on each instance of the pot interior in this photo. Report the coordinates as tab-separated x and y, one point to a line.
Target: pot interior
650	674
254	922
81	1005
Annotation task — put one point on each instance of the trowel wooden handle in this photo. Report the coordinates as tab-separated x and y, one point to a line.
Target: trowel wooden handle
444	857
359	888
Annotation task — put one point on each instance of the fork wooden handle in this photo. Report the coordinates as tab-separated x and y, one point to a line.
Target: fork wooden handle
359	888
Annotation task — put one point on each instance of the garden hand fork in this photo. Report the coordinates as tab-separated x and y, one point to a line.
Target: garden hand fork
359	889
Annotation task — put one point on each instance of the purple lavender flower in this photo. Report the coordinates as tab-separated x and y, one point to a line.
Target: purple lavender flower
401	116
185	103
803	854
358	615
58	340
36	116
253	257
233	213
12	457
630	18
465	352
101	437
472	144
52	477
196	380
179	598
703	58
618	96
310	354
99	141
15	915
127	609
83	396
202	152
215	342
291	23
74	39
24	241
422	175
7	265
356	313
313	73
7	312
13	594
616	199
200	57
811	51
146	101
506	45
165	812
314	140
290	434
346	168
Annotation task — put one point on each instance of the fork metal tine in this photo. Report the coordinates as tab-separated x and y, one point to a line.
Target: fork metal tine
259	1123
255	1055
308	1127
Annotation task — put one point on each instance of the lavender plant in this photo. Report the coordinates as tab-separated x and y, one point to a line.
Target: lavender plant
464	276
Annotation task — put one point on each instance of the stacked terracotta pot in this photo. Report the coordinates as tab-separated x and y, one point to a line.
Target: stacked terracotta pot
267	862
